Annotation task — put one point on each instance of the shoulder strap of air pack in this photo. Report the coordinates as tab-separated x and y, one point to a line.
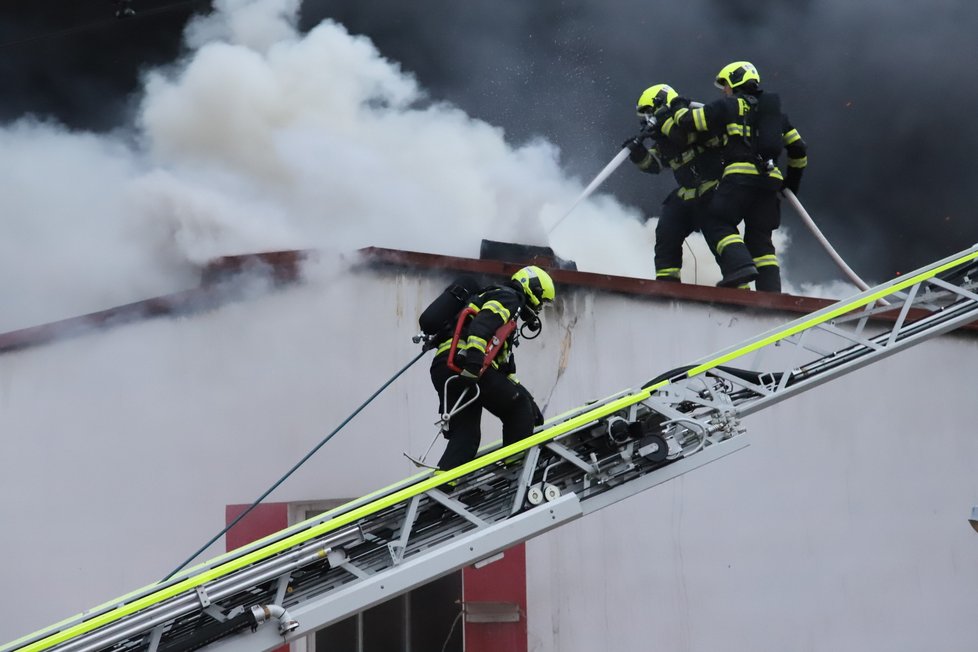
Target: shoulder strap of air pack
766	134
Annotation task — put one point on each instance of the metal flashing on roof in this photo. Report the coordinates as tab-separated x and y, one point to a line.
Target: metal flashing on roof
605	282
219	285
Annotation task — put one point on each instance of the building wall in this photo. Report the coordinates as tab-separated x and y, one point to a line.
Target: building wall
843	525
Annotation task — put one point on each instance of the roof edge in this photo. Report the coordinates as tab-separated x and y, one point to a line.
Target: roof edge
221	283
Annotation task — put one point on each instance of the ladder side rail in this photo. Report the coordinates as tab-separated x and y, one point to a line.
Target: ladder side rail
209	565
124	609
838	309
759	388
435	492
584	416
852	365
861	343
317	614
898	330
801	342
147	596
328	608
964	291
684	465
863	352
902	328
934	320
857	340
190	601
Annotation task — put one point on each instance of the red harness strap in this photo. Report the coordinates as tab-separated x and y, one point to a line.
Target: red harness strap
492	350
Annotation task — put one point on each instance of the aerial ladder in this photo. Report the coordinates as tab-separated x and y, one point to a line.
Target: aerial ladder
346	560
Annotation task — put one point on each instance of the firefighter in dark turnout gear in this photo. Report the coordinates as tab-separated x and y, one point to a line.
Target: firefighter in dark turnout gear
499	392
696	165
754	131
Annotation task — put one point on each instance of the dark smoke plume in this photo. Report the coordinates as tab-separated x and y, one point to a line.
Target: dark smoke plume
881	92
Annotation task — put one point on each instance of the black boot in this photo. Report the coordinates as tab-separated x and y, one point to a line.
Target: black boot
738	277
737	266
768	279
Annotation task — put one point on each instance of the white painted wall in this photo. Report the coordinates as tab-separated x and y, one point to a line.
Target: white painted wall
843	525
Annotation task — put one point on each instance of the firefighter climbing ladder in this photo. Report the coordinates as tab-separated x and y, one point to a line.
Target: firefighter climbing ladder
317	572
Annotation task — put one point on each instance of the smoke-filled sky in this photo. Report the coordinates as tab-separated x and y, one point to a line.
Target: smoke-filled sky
880	90
135	149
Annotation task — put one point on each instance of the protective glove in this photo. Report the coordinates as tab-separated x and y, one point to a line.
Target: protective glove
469	376
792	180
649	127
681	101
636	150
663	113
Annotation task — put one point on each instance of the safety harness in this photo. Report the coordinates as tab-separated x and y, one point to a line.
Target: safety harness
492	349
495	344
762	130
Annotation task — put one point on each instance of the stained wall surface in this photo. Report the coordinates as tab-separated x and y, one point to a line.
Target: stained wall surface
842	526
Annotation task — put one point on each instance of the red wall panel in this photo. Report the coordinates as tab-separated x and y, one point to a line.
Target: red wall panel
265	519
502	581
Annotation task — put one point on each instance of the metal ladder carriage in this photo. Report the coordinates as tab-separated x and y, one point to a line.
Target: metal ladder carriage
358	555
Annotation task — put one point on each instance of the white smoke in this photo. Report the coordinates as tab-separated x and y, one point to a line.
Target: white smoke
72	243
354	154
263	138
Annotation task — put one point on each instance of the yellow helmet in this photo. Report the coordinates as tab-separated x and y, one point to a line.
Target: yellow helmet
536	284
737	74
655	96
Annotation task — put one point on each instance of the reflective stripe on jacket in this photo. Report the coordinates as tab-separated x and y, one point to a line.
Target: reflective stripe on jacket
493	307
728	118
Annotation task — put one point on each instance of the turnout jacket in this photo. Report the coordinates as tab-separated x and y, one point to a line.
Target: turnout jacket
493	307
731	120
696	161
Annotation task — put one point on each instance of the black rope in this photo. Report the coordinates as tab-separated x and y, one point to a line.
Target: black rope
293	469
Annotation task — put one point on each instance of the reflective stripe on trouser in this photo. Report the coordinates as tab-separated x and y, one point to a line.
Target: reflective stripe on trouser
766	261
732	239
731	252
768	273
667	274
760	223
759	209
732	256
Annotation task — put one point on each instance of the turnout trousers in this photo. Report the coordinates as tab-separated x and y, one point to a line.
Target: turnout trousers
680	217
502	397
760	210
